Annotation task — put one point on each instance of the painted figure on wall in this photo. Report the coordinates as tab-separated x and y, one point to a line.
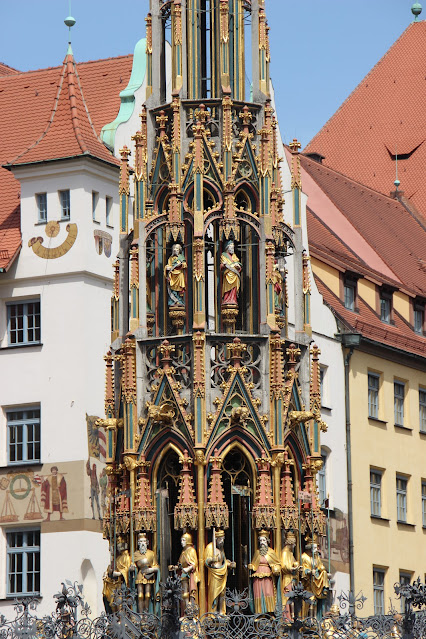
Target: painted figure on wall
230	267
146	577
190	577
54	494
94	488
217	566
117	574
103	484
175	276
290	568
266	569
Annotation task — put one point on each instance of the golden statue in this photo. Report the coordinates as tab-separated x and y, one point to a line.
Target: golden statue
290	569
314	575
148	568
188	563
175	276
266	569
217	565
116	575
231	267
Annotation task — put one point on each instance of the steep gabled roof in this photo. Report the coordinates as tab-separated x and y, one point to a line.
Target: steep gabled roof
385	114
393	236
26	101
6	70
69	131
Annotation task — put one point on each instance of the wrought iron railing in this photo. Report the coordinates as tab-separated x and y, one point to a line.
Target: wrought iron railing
71	618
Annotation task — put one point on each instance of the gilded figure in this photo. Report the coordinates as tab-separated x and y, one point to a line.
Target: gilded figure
217	566
148	570
315	578
230	267
290	569
188	565
175	276
266	570
117	574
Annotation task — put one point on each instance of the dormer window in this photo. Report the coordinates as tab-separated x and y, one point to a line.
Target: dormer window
41	199
419	318
385	306
64	197
349	291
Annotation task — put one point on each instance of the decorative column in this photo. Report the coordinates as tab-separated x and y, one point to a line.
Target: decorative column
148	21
124	190
145	517
264	512
307	294
186	509
216	509
288	509
134	288
200	463
176	14
115	300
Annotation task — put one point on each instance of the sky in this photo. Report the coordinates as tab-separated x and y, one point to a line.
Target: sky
320	49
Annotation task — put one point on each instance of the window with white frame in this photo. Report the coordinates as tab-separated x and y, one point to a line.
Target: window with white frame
323	386
424	503
23	322
95	198
376	493
108	210
379	591
398	402
401	498
385	307
65	200
404	580
23	562
41	199
322	480
23	435
349	290
373	395
419	317
422	409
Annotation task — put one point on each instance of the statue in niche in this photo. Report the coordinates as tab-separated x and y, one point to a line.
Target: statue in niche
315	578
116	575
175	276
279	291
266	568
188	565
231	267
148	573
217	566
290	568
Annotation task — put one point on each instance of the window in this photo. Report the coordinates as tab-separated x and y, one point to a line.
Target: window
323	386
65	204
23	320
42	207
373	395
376	493
419	318
401	499
424	504
349	296
23	435
404	580
108	210
379	591
398	402
322	482
385	307
422	409
95	198
23	562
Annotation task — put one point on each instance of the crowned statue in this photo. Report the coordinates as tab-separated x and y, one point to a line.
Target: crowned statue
230	267
315	578
175	276
117	574
148	572
266	570
217	566
188	565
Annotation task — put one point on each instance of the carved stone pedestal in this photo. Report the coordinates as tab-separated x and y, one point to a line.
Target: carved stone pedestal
229	317
178	315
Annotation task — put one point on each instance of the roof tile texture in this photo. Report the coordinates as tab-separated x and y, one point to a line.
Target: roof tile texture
384	114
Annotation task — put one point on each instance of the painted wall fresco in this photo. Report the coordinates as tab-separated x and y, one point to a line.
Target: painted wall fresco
338	534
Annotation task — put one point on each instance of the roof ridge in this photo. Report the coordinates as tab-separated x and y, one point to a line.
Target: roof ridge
49	124
85	103
58	66
360	83
73	104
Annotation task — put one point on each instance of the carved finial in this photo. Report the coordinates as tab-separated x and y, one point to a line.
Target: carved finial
186	509
166	349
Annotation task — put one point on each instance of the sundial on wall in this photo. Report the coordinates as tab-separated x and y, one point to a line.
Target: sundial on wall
52	230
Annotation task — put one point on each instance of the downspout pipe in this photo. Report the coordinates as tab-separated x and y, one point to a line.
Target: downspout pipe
349	341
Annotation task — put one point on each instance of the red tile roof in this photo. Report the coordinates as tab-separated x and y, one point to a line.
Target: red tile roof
6	70
26	101
389	230
385	112
367	322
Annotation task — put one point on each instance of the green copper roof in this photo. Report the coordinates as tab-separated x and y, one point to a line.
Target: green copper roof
127	96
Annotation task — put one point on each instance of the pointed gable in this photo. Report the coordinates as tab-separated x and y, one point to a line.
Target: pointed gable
70	131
